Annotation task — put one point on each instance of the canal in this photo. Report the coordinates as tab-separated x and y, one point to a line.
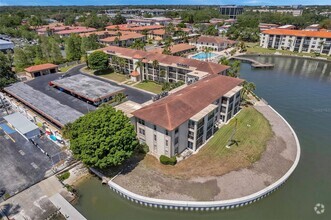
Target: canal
300	90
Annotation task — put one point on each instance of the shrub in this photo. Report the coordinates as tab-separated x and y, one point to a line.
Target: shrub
168	161
64	176
143	148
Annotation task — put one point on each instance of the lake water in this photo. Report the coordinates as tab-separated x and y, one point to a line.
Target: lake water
300	90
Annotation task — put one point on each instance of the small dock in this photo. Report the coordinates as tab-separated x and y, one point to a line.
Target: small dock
254	63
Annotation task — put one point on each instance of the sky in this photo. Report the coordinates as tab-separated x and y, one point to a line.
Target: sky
165	2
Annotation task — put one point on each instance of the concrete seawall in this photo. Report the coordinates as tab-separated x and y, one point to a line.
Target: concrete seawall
212	205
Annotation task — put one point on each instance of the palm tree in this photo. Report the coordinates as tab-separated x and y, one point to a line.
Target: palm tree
162	74
248	87
140	65
114	62
207	51
121	63
155	64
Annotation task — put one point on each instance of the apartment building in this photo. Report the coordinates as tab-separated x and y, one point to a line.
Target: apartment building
216	43
188	118
169	68
125	39
297	40
149	21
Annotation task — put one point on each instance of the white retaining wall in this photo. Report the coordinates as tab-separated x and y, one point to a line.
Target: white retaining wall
210	205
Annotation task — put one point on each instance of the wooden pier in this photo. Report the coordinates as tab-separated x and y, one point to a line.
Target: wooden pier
254	63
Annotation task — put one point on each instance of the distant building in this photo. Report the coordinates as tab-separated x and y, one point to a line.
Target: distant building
265	26
287	27
6	45
188	118
313	27
126	39
297	40
133	27
149	21
216	43
294	12
231	10
40	70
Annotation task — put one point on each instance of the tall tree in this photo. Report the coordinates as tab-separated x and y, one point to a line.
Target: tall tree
102	138
90	43
7	76
118	19
98	60
73	47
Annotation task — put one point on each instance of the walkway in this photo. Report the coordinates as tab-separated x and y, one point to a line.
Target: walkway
66	208
254	63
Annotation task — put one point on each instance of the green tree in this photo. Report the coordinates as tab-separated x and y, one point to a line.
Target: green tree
95	21
118	19
73	47
98	60
70	20
22	59
90	43
7	76
211	30
102	138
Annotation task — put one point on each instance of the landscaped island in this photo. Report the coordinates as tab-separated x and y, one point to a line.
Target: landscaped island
265	151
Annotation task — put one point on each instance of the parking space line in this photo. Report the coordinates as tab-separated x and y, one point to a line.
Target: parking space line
21	152
34	165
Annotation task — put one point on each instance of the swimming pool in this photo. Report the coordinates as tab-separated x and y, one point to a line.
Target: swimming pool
204	56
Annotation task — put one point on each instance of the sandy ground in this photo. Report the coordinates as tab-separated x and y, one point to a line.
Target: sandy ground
275	161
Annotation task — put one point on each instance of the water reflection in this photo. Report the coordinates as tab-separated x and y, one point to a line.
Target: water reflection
317	69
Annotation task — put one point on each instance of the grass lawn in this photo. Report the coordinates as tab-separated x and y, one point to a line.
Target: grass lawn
118	77
66	68
255	49
108	74
150	86
253	133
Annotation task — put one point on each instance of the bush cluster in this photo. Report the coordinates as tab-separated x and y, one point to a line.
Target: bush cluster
168	160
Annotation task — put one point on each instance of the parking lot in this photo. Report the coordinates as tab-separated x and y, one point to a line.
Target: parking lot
41	84
22	163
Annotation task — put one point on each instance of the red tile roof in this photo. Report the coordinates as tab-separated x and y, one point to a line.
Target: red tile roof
125	36
215	40
175	48
209	67
177	108
76	30
298	33
133	27
40	67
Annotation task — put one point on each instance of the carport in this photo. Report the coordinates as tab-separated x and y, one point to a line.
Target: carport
22	125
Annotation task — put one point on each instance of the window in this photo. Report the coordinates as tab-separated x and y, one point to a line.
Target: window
167	132
140	121
155	138
141	131
167	142
176	140
154	127
176	131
